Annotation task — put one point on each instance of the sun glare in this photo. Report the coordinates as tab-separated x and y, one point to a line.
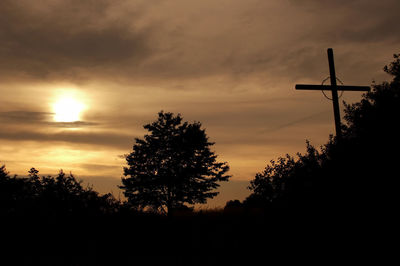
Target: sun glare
67	109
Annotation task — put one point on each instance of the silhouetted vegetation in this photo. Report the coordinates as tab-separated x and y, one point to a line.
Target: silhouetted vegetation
357	173
62	195
171	166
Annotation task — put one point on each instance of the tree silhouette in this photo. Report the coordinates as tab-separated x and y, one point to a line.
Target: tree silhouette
14	193
5	194
3	172
377	112
373	142
171	166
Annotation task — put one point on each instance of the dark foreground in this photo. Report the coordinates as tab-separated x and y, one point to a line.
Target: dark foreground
209	238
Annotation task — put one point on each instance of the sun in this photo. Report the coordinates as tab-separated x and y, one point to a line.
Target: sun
67	109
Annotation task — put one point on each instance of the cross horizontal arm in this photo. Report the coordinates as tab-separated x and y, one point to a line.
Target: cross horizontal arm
329	87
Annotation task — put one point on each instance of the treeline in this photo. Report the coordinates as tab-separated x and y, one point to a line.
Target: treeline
47	196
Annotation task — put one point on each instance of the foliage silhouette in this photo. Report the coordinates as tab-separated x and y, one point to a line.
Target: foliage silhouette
356	173
49	196
171	166
233	204
287	182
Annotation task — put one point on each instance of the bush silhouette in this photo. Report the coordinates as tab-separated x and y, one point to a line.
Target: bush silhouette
356	173
62	195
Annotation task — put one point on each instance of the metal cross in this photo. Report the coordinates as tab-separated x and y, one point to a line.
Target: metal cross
334	88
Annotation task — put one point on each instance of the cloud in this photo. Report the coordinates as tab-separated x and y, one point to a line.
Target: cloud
25	116
355	22
75	124
42	118
142	41
64	39
114	140
100	167
294	122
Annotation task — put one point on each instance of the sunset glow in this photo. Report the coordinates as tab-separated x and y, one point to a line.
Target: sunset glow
67	109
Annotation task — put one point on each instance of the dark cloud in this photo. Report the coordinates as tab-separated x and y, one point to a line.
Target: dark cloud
349	22
97	139
383	30
25	116
75	124
42	118
103	39
64	39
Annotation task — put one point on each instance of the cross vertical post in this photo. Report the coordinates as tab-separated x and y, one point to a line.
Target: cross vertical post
335	99
334	88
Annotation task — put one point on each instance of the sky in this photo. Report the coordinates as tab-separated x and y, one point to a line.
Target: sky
230	64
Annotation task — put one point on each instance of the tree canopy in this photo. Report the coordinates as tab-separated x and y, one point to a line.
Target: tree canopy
171	166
